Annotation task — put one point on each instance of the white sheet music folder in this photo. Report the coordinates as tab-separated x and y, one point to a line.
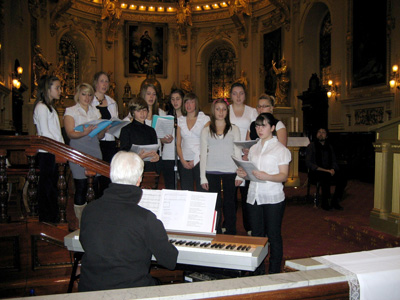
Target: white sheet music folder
182	211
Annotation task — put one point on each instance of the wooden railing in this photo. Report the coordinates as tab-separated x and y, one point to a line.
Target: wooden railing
63	153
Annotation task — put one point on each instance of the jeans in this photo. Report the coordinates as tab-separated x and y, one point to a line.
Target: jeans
266	221
225	205
189	177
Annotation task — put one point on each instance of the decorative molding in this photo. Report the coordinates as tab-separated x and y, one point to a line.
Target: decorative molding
254	24
369	116
283	8
272	21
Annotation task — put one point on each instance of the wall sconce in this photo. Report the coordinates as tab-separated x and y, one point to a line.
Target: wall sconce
332	89
394	81
16	75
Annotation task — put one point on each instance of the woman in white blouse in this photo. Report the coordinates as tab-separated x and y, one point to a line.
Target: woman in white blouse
109	110
82	112
190	125
45	118
242	115
266	105
266	199
169	149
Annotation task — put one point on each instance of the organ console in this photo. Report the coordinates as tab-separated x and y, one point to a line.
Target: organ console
218	251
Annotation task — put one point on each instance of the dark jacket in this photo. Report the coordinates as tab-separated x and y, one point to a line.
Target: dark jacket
119	238
138	134
322	156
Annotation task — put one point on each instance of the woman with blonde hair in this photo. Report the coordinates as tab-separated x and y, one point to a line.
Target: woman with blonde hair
82	112
190	125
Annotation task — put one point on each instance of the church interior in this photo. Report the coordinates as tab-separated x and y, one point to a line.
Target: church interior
329	63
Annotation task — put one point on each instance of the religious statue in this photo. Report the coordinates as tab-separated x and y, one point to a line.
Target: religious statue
61	7
40	67
183	19
282	83
237	10
111	89
186	85
62	75
242	79
112	13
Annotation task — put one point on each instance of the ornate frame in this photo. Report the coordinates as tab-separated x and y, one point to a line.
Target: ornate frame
145	43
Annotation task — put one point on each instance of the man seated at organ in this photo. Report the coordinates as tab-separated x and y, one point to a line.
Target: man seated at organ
119	237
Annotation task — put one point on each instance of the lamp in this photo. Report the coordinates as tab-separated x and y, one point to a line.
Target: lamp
332	89
394	81
16	75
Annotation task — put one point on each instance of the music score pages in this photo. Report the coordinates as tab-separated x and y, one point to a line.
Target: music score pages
182	211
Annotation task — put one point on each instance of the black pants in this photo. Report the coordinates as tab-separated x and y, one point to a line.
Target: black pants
81	187
167	169
326	180
189	177
108	150
47	189
243	199
225	205
266	221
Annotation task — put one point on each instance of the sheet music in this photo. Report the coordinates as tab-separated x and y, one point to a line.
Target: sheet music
182	210
163	125
146	148
246	144
249	167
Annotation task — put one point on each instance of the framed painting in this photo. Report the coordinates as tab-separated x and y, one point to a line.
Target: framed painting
145	46
369	43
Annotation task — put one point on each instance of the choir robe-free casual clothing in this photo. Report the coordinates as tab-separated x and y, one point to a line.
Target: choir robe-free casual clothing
119	238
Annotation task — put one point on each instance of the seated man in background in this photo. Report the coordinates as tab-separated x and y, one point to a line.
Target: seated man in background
119	237
321	161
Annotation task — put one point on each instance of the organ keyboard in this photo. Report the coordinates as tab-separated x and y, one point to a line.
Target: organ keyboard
221	251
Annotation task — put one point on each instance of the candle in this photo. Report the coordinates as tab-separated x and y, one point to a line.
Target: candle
297	124
291	124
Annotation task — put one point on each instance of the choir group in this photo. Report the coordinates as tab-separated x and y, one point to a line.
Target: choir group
201	148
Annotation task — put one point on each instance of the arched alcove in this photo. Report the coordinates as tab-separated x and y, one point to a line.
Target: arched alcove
310	41
202	67
85	52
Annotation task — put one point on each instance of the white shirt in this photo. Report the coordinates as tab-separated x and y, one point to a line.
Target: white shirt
217	151
191	138
113	109
80	116
268	158
243	122
279	126
47	123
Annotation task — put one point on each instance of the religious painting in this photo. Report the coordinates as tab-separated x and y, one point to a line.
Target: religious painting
145	47
272	52
369	43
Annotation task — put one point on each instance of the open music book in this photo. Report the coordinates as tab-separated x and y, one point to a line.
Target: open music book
182	211
115	129
163	125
